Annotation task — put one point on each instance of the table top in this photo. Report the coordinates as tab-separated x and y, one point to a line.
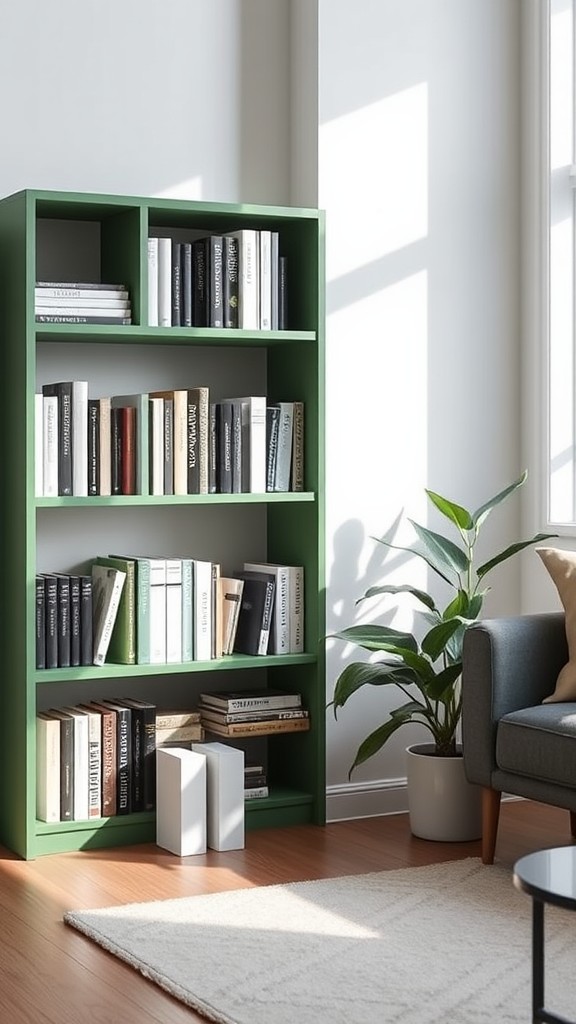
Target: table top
549	875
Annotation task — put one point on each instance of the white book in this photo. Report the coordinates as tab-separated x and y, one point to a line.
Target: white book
225	795
254	454
279	642
173	610
93	295
81	763
113	312
265	280
274	278
157	611
47	768
202	607
80	438
165	282
230	601
153	282
94	763
282	475
179	398
82	303
107	585
156	428
181	796
248	278
39	444
296	609
187	609
50	446
105	446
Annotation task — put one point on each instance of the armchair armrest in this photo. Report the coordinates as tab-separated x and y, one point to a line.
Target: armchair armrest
507	664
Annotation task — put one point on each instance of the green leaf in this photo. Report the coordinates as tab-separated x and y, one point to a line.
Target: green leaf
363	673
421	595
458	515
441	687
413	550
479	516
376	740
434	643
512	550
464	606
443	553
376	638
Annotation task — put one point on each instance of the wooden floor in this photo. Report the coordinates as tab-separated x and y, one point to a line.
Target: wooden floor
50	974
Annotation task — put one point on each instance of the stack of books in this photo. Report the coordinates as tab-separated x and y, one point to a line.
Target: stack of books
252	712
81	302
178	728
255	782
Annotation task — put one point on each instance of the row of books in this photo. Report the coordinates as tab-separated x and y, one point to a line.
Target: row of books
98	759
232	280
157	610
175	441
273	712
81	302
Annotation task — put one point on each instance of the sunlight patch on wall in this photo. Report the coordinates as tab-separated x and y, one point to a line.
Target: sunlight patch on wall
383	149
190	188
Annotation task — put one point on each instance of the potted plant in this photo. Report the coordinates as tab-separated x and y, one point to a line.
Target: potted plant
427	670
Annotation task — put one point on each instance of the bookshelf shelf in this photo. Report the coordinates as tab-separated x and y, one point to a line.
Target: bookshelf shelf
60	236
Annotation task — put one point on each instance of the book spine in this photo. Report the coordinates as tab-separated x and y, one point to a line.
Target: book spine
40	623
168	446
230	281
187	284
105	447
176	284
73	318
63	595
142	611
80	438
86	629
187	609
138	740
284	455
115	451
265	280
192	442
173	610
38	445
266	617
282	293
63	392
272	423
165	282
274	702
85	290
128	449
180	442
123	760
202	610
224	415
212	449
93	446
237	455
66	769
75	621
47	769
105	598
215	273
157	611
50	445
297	480
51	601
249	306
156	445
226	718
108	768
153	282
199	276
94	765
256	793
176	719
296	609
274	255
262	727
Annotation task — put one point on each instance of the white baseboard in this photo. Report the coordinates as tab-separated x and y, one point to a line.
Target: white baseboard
350	800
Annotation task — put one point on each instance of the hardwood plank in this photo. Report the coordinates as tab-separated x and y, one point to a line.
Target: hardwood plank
51	973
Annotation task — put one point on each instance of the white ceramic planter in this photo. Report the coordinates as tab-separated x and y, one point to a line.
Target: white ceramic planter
443	805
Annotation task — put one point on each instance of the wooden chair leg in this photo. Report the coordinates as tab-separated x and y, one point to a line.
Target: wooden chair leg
490	816
573	824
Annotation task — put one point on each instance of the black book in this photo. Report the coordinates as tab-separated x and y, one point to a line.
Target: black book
199	284
282	294
212	449
51	619
224	419
116	449
176	284
63	392
93	446
255	616
230	281
75	621
237	446
124	766
214	270
168	446
63	597
40	623
143	753
186	274
86	625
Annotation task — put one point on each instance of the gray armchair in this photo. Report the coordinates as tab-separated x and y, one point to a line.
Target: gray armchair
512	743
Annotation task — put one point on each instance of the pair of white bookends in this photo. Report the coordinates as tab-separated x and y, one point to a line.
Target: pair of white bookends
199	798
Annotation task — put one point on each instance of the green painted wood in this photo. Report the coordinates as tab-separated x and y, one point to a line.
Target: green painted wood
294	522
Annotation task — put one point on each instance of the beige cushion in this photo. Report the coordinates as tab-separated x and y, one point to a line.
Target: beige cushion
562	568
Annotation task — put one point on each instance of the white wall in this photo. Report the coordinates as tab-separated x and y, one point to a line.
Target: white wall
400	117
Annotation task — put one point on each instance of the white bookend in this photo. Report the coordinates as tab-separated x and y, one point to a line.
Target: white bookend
80	438
265	280
181	801
153	282
165	282
50	446
225	786
202	605
47	768
254	448
280	631
39	444
81	763
248	278
157	611
173	610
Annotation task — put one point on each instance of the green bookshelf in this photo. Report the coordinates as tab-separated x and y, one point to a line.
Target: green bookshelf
84	237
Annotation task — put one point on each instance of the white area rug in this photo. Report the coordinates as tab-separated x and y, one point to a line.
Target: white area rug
445	944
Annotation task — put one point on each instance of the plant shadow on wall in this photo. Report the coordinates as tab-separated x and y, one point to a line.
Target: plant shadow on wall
427	670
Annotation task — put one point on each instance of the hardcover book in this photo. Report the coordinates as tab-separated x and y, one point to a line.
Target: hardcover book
107	586
255	616
122	647
251	699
